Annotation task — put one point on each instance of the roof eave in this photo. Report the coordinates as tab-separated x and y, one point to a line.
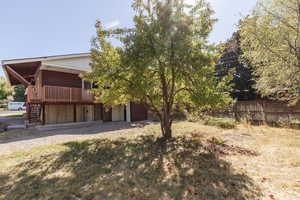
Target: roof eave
45	58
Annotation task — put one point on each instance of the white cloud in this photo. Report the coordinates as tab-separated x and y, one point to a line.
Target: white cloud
112	24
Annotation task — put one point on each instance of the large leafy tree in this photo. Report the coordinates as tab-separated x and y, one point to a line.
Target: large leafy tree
163	62
5	89
271	42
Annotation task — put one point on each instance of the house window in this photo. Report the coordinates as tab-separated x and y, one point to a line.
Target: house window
87	85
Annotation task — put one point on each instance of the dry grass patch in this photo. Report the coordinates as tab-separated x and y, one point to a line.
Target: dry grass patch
12	114
18	133
202	162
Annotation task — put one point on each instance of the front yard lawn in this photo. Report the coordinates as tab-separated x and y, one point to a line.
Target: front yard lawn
202	162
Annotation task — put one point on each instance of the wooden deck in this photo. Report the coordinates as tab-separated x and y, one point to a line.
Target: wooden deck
55	94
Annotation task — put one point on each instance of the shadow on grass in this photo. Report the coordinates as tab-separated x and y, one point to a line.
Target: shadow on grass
130	169
3	186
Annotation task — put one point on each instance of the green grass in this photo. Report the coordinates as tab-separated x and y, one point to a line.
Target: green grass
224	123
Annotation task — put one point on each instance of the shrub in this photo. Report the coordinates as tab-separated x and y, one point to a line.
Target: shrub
225	123
195	116
294	123
217	141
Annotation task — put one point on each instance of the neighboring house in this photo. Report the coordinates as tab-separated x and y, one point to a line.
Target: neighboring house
57	94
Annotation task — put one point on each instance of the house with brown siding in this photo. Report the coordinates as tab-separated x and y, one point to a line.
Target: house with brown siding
56	93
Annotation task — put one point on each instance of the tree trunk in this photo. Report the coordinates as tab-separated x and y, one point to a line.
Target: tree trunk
168	131
166	126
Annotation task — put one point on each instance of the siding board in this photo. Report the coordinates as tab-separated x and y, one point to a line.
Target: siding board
53	78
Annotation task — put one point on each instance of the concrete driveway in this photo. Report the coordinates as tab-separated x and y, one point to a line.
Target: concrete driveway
41	138
12	118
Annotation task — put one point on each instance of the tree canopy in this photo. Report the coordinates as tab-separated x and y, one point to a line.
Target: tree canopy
271	42
5	89
19	93
164	62
231	61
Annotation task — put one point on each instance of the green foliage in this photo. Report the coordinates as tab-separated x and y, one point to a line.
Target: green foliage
5	89
286	123
195	116
242	74
217	141
165	61
224	123
271	42
19	93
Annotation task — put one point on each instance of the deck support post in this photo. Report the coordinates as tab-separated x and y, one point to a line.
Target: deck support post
28	111
128	112
43	114
75	113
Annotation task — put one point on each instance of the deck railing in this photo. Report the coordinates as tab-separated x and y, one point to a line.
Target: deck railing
55	94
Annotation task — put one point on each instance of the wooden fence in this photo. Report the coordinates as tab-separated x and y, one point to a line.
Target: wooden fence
266	112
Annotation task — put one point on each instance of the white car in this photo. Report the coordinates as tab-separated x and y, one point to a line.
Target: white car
16	106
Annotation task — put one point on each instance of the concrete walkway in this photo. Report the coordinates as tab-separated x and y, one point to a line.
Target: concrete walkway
63	135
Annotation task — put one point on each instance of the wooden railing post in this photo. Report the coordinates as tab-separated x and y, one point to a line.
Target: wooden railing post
28	94
70	93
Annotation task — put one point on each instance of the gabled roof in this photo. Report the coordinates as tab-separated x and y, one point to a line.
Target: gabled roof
19	70
44	58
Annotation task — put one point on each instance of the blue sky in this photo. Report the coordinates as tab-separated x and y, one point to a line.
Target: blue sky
31	28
